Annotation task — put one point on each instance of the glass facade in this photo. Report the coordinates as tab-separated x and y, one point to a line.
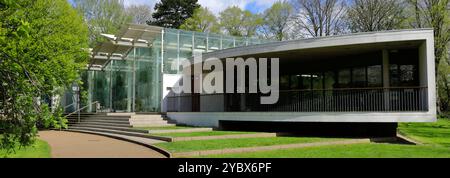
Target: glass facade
134	83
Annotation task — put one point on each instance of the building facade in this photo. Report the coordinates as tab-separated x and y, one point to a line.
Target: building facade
130	70
379	77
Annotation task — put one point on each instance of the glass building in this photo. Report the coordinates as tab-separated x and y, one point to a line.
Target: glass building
126	71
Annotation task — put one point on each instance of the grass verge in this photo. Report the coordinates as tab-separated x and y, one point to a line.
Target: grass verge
196	145
435	136
372	150
40	149
165	128
428	133
200	134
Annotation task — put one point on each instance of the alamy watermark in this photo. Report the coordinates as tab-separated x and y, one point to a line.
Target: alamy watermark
209	76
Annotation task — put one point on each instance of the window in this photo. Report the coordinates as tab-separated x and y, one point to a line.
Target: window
295	82
406	73
329	79
306	81
284	82
344	78
375	76
359	77
317	80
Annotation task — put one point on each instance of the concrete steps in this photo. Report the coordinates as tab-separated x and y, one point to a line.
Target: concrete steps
118	123
120	132
128	129
102	123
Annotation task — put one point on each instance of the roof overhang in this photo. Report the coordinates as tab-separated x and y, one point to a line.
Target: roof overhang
117	47
332	45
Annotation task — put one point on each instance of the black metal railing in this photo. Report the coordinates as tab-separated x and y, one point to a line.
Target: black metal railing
335	100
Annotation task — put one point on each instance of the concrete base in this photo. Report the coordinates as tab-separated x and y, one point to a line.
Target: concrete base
211	119
316	129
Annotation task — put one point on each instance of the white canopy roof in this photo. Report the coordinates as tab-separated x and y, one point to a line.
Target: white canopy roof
117	47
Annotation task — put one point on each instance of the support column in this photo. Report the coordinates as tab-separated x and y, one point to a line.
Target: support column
386	79
133	95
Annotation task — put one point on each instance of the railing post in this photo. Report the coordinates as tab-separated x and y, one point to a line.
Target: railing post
78	105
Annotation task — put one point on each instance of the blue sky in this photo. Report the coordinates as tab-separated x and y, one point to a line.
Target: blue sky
216	6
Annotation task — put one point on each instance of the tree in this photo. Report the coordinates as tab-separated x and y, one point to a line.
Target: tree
173	13
435	14
375	15
102	16
237	22
42	49
139	14
276	20
320	17
203	20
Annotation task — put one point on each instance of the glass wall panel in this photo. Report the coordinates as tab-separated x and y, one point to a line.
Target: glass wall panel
375	76
295	82
306	81
122	86
359	77
284	82
170	50
185	45
134	84
200	42
213	42
240	41
344	78
329	80
147	77
227	42
317	80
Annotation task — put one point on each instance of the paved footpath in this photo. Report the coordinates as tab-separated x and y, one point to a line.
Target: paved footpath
80	145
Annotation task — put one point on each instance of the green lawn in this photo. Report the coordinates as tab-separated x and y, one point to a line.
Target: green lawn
372	150
196	145
198	134
39	150
429	133
436	137
164	128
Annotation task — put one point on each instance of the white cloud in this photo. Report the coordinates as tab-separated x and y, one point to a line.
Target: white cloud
216	6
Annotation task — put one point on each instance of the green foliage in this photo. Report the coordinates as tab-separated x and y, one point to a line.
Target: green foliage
102	16
203	20
276	20
435	14
375	15
237	22
42	49
173	13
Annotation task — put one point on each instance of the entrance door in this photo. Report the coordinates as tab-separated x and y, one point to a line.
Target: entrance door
122	91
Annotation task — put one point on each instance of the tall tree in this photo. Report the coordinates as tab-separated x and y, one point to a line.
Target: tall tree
42	49
320	17
139	14
276	20
435	14
238	22
203	20
102	16
173	13
375	15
